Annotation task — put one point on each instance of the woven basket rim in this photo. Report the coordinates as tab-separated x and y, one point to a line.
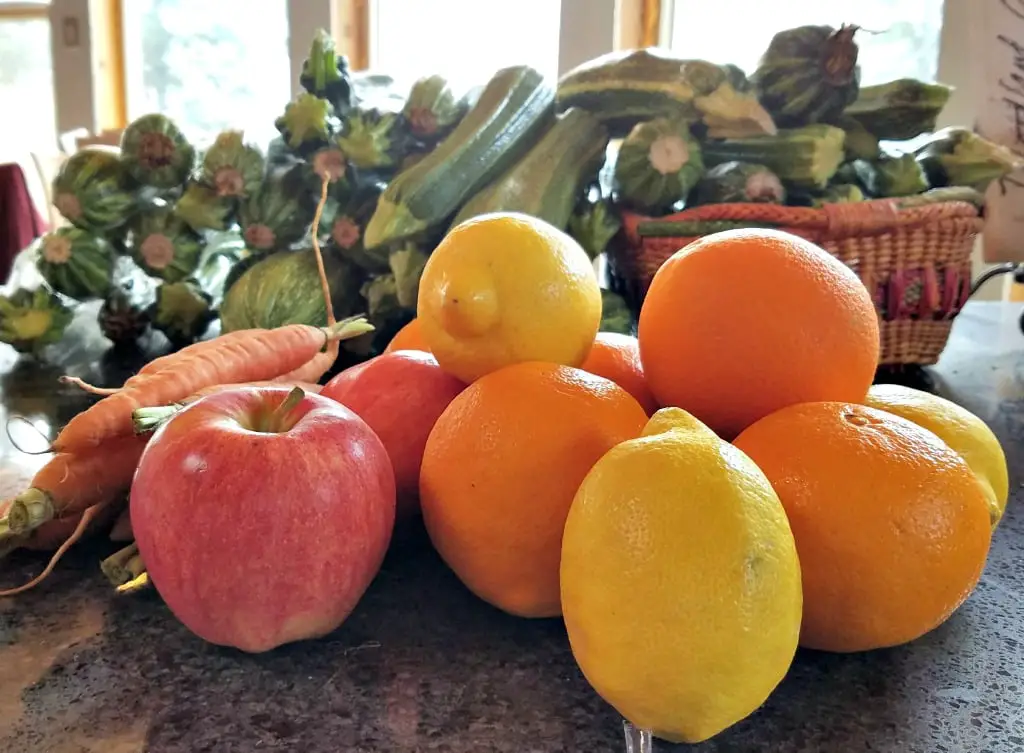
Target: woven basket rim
870	217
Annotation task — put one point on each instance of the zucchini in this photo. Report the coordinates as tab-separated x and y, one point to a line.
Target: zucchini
899	110
805	157
739	182
493	135
629	87
658	164
691	228
548	180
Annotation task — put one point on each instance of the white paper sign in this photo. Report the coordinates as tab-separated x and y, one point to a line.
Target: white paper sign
997	47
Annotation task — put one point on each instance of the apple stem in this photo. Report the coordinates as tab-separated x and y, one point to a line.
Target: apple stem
276	419
141	582
150	419
27	511
123	565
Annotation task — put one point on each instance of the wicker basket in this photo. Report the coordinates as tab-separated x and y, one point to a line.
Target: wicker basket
915	260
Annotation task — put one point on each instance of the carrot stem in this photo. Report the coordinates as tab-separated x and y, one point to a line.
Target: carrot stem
150	419
27	511
119	568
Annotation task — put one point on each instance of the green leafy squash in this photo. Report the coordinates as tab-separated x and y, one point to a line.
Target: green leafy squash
76	263
92	190
548	180
502	125
808	75
659	163
232	168
284	288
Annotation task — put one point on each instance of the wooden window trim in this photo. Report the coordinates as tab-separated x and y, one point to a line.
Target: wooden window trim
24	11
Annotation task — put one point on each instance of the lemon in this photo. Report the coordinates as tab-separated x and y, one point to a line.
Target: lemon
680	581
964	432
505	288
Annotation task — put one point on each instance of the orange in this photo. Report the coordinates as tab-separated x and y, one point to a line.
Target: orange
891	526
742	323
617	357
409	337
501	468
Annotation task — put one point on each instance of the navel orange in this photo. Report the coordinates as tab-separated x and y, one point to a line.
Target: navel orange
742	323
891	526
501	468
409	337
617	357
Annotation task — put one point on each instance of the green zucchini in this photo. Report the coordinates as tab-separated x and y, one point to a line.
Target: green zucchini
805	157
493	135
627	87
691	228
547	181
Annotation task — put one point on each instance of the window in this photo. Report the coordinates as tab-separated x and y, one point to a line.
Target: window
899	38
208	65
464	40
26	79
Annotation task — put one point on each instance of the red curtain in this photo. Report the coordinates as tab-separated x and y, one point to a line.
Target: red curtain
20	223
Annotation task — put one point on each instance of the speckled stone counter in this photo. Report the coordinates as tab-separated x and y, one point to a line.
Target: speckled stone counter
423	666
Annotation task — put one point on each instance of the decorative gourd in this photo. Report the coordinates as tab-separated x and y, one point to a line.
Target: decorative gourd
76	263
432	110
279	212
93	190
659	162
740	182
808	74
957	156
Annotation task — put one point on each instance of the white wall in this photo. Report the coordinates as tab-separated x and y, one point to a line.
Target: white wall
73	66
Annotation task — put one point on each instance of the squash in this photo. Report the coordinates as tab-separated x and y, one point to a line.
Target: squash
284	288
432	110
231	167
891	175
76	263
625	88
658	163
513	108
805	157
164	245
32	319
740	182
93	191
808	75
957	156
548	180
899	110
156	153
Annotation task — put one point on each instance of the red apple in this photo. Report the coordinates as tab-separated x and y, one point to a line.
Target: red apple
263	515
400	394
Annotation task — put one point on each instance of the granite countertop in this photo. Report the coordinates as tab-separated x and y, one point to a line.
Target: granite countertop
422	665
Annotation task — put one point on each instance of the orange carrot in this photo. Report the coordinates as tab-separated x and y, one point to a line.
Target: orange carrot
81	488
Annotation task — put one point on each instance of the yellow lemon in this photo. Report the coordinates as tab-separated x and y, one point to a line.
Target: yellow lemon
964	432
680	581
505	288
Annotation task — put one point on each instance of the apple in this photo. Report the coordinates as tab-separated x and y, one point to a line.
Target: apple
400	394
262	515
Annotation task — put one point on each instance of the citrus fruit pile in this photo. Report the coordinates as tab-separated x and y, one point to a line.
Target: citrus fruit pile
700	500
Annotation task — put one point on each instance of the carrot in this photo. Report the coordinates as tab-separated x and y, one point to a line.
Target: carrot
291	351
80	487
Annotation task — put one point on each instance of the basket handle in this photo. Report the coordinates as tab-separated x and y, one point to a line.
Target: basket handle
861	217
